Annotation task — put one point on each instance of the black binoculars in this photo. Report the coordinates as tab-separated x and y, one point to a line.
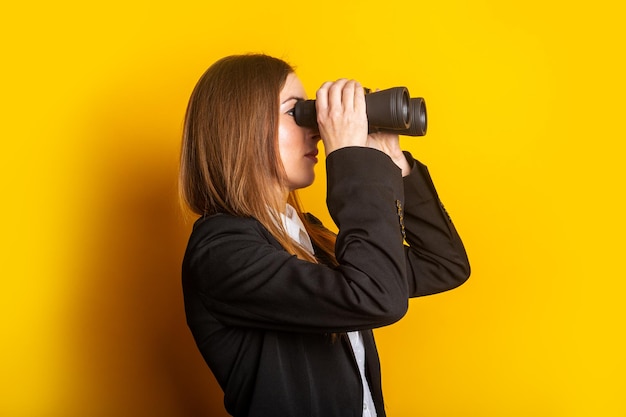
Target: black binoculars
392	111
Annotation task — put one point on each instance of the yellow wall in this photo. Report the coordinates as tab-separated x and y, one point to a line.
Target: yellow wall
526	145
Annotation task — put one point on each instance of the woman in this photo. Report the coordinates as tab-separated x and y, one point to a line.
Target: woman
281	309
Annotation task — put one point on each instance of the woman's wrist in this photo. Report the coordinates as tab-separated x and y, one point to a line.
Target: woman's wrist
402	163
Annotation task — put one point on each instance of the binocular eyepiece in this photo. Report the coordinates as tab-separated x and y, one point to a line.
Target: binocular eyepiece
392	111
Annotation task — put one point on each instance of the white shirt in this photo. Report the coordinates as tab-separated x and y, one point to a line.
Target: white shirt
295	228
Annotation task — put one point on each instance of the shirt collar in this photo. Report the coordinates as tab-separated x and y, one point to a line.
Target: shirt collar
295	228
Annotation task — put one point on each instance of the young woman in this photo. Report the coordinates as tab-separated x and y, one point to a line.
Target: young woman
281	309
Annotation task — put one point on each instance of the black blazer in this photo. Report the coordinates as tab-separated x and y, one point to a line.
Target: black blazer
263	319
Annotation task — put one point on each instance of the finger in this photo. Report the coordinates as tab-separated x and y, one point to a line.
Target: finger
347	96
321	96
359	97
335	96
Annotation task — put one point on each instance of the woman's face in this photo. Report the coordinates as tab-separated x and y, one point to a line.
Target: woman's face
297	145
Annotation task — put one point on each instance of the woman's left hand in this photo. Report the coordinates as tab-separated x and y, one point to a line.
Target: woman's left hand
389	143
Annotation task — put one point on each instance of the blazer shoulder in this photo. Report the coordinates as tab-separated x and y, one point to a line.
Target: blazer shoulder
219	219
215	225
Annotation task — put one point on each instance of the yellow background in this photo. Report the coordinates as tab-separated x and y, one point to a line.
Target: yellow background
525	143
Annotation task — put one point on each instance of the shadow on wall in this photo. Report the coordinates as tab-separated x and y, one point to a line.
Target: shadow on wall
134	354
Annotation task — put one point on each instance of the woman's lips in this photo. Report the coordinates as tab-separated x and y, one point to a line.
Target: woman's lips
312	155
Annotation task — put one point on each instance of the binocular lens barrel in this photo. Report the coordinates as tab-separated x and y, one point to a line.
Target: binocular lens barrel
391	110
388	108
419	121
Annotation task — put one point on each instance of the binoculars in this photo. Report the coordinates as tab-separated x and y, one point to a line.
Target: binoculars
391	111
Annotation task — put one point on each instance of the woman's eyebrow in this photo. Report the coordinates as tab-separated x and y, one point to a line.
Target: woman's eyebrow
293	98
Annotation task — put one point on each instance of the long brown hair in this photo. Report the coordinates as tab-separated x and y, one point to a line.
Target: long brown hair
229	158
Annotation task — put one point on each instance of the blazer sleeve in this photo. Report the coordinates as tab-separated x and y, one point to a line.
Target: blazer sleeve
244	278
436	257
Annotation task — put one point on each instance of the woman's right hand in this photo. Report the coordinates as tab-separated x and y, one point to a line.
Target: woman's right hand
341	114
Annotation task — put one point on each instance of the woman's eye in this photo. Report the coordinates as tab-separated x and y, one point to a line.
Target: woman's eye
291	112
